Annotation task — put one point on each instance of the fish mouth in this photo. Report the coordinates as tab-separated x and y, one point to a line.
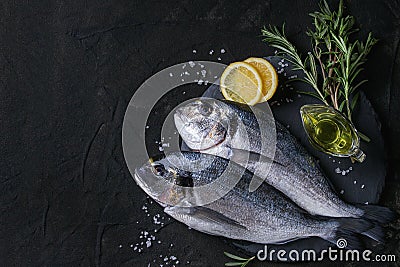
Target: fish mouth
147	181
196	141
159	189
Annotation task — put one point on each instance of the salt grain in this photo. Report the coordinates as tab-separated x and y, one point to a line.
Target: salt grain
194	51
222	51
211	52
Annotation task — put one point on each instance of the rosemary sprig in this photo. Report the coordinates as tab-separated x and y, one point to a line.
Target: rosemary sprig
242	262
278	40
339	59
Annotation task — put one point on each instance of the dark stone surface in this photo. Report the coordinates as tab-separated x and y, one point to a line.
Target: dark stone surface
67	73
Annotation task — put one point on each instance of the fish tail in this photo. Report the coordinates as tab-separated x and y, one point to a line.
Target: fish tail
377	213
376	233
348	233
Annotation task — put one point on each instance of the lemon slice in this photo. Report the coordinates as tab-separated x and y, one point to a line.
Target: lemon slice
268	76
240	82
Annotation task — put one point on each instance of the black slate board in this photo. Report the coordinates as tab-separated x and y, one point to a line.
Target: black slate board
362	184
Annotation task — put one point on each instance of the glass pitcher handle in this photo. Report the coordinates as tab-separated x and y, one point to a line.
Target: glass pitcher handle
358	155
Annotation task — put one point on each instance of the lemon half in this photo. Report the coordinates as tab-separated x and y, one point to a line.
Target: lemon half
268	75
241	82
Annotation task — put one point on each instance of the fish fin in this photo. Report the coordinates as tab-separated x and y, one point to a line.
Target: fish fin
376	233
251	157
250	160
212	215
204	219
287	240
377	213
348	233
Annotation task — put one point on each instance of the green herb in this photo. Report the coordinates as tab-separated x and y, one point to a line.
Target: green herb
339	59
242	262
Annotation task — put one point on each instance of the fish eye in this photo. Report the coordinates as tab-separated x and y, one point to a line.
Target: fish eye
159	169
205	109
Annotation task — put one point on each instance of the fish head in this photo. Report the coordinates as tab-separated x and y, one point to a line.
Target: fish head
163	182
202	123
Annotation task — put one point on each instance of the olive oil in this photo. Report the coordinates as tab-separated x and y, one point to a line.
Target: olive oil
330	132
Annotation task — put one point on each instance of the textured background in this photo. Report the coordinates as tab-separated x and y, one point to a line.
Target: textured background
67	73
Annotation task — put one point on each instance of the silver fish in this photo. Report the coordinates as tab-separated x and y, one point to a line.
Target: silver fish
263	216
292	170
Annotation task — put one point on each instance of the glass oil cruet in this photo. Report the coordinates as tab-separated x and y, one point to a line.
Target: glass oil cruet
329	131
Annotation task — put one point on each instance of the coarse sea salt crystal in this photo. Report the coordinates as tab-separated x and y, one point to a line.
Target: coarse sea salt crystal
223	51
219	59
170	74
211	52
362	186
342	191
192	64
148	243
194	51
